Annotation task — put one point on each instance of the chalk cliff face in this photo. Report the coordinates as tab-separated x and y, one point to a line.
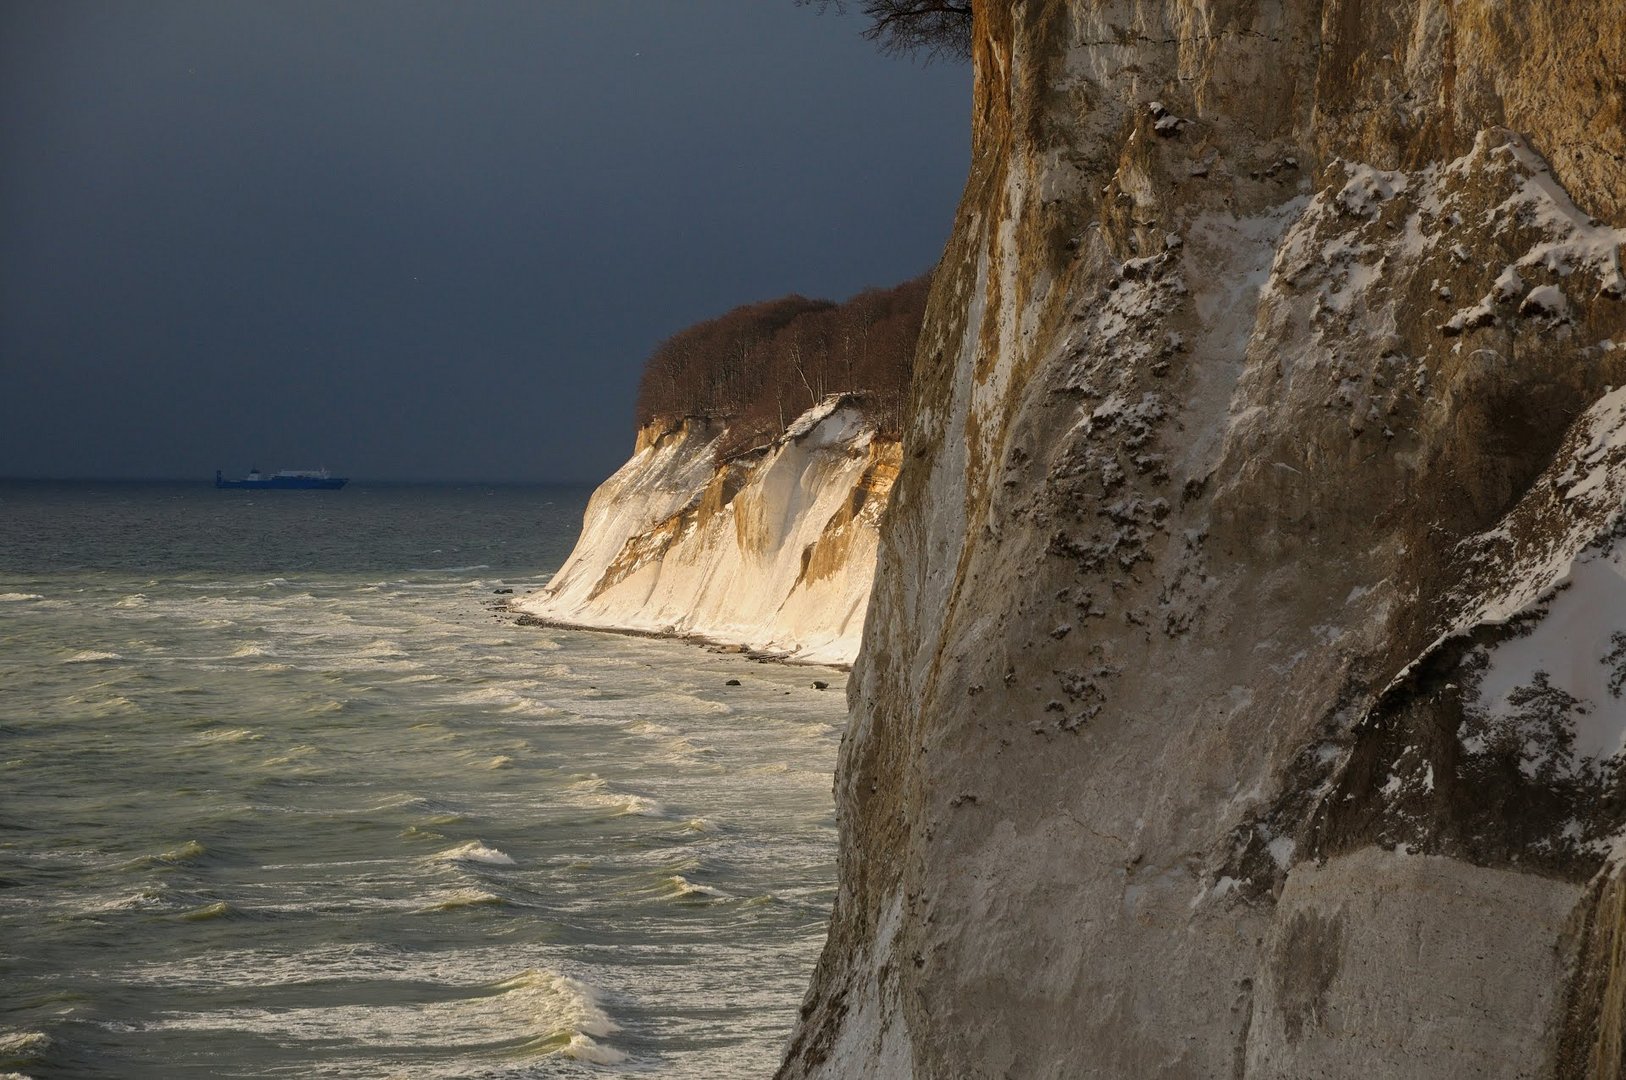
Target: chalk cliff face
1242	691
774	550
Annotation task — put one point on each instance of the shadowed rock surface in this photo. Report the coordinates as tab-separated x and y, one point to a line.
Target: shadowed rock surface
1242	690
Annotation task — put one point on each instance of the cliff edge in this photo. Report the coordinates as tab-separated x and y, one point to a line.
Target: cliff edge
773	550
1242	689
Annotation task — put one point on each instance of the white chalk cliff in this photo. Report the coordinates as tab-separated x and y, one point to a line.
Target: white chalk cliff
1243	693
773	550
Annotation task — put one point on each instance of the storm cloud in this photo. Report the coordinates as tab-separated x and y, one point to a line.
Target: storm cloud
424	240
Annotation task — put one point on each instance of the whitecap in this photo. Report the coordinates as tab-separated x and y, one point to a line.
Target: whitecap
220	909
188	852
19	597
464	898
91	656
622	803
553	1013
475	852
291	756
229	735
681	888
582	1048
490	695
24	1046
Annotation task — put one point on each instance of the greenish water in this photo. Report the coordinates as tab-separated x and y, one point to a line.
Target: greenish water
282	795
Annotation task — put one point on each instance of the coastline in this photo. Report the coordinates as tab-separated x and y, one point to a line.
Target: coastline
748	651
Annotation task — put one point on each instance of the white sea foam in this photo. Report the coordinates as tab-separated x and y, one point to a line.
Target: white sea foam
489	695
229	735
553	1013
681	888
622	803
92	656
463	898
24	1045
475	852
18	597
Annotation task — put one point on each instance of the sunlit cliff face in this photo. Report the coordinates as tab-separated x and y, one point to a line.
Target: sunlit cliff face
1238	691
774	550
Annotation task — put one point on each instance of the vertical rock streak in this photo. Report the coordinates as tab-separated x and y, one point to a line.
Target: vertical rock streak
1239	688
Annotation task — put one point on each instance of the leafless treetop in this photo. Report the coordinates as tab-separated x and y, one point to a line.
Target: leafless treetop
924	28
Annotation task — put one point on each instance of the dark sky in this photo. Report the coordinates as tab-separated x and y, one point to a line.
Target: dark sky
413	239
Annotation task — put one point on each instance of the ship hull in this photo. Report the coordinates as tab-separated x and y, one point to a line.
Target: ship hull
286	483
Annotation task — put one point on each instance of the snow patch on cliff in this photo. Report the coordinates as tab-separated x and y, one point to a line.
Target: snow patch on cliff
775	552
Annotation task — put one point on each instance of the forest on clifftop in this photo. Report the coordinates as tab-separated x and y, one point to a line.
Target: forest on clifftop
756	368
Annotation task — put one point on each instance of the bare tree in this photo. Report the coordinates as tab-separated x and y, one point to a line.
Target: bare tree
754	369
926	28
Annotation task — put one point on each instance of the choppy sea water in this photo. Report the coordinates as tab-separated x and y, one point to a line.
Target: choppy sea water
282	795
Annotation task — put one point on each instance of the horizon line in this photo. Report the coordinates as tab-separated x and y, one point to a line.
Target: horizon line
209	480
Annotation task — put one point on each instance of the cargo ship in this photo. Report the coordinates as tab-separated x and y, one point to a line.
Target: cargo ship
285	480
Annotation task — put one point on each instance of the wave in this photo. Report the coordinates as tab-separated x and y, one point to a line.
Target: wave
189	852
91	656
465	898
416	832
448	569
538	1012
220	909
229	735
678	887
623	803
19	597
294	755
475	852
136	901
569	1008
489	695
23	1047
583	1048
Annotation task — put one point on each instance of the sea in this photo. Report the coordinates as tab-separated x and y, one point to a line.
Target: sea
285	791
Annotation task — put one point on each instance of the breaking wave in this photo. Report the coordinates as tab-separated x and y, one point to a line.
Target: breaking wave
475	852
465	898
